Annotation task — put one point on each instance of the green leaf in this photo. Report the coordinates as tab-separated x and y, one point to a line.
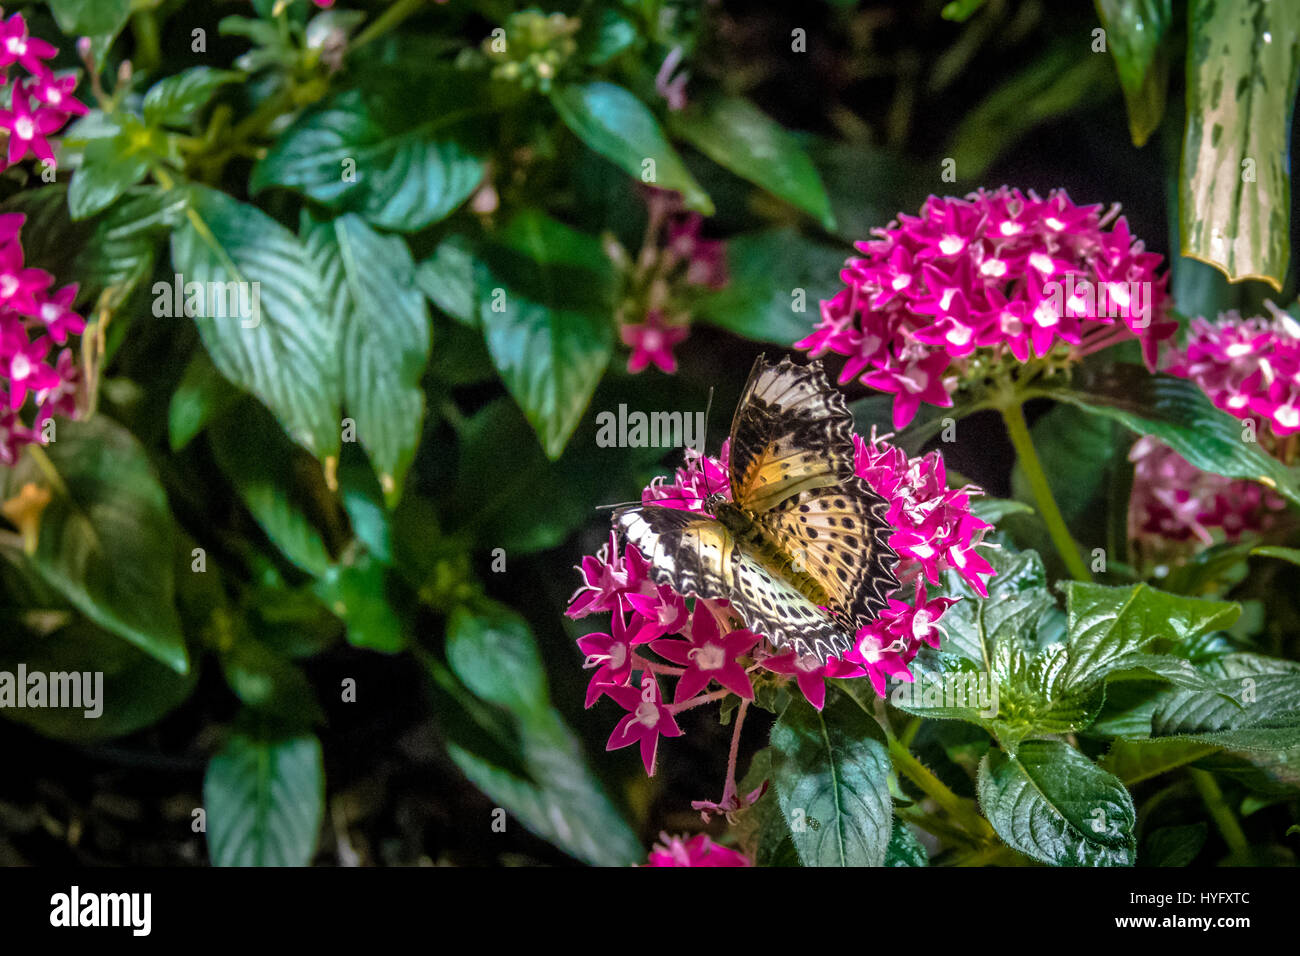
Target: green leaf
264	476
491	649
961	10
357	593
1108	625
1234	703
115	249
738	136
447	278
90	17
831	776
1274	551
1134	761
106	543
1135	33
904	848
1174	846
618	126
400	164
547	337
137	689
369	280
268	683
1243	69
1055	805
285	350
201	396
108	169
265	800
176	100
776	279
1177	412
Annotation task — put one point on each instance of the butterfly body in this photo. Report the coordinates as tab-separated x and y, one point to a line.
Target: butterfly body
800	550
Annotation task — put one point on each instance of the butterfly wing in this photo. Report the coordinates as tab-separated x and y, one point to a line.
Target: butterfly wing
839	536
791	433
772	607
694	554
687	551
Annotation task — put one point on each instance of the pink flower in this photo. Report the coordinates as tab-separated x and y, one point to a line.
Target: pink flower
699	850
934	527
28	129
885	648
1174	501
652	343
647	720
57	315
811	674
612	657
999	276
709	655
56	93
670	84
607	577
662	613
16	46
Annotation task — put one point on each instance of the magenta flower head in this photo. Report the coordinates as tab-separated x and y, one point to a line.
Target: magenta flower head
40	104
943	299
662	281
1176	507
1250	368
703	648
699	850
38	381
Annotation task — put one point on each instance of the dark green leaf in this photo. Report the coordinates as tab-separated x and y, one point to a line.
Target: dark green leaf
284	347
549	335
265	800
1052	803
90	17
491	649
1135	33
738	136
401	165
357	593
201	396
369	282
1177	412
106	544
618	126
175	100
106	172
831	776
266	682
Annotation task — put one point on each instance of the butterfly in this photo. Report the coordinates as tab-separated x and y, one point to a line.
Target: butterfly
800	550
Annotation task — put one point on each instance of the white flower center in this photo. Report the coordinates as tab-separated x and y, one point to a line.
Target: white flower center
1054	223
20	367
1288	416
50	312
8	285
959	335
617	656
1042	262
16	45
993	267
647	714
24	128
951	245
1010	228
1045	315
710	657
54	96
652	340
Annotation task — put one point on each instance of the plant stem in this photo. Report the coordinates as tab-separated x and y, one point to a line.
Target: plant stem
1221	813
386	21
1013	414
938	791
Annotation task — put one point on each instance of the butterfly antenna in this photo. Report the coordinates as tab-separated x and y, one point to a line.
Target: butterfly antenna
704	440
629	504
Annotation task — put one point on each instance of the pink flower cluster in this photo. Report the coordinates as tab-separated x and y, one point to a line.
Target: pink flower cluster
32	320
698	642
1173	500
998	273
39	103
699	850
1248	367
674	256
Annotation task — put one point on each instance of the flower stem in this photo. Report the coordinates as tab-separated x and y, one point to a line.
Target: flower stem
729	788
386	21
1221	813
960	810
1013	414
